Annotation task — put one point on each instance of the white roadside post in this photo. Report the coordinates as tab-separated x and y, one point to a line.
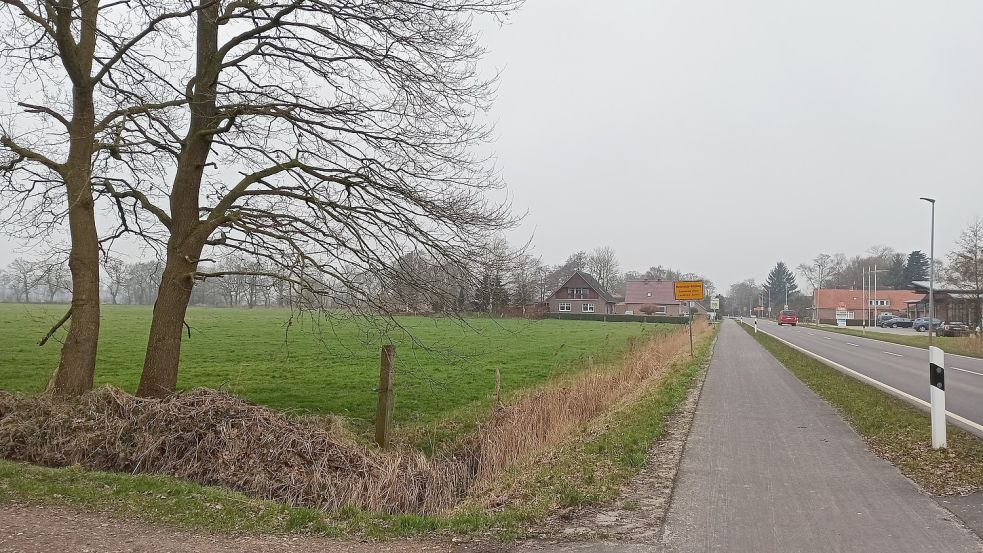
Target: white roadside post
756	326
936	362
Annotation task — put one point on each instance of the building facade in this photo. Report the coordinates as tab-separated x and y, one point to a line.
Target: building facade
858	306
581	293
653	297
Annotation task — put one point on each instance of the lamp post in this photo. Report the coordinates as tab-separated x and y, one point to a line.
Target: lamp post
931	277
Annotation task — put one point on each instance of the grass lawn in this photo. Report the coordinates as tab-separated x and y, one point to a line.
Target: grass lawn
587	470
894	429
326	367
968	346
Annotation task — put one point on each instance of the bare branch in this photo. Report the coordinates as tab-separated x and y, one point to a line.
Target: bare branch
55	328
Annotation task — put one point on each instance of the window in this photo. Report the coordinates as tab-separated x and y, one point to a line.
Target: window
660	310
564	307
579	292
588	308
648	294
879	303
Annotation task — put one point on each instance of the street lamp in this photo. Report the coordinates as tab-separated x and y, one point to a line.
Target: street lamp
931	278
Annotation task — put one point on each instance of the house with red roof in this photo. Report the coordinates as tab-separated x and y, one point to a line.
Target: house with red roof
854	303
653	297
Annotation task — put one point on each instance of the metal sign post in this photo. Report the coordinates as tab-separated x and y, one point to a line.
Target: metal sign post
689	307
936	377
688	291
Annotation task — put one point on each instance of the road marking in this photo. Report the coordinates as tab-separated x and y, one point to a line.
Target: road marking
812	334
877	383
966	371
827	337
852	344
894	354
947	354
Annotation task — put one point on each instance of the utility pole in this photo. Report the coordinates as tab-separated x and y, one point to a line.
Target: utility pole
931	277
875	293
863	287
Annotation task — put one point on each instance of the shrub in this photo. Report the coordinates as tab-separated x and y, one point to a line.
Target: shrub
618	318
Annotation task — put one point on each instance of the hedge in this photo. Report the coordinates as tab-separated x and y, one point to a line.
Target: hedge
618	318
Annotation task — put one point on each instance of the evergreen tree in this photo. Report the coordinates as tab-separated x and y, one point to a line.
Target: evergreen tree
781	283
491	294
481	300
916	268
895	276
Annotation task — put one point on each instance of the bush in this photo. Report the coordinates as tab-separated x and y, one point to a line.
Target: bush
618	318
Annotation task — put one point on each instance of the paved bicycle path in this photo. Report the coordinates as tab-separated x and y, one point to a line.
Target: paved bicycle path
770	467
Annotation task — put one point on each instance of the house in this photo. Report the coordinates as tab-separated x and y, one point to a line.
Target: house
951	304
581	293
653	297
853	303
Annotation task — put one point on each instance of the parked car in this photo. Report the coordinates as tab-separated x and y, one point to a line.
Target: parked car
921	324
883	317
954	329
788	317
896	322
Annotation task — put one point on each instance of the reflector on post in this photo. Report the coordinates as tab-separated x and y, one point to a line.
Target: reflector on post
936	379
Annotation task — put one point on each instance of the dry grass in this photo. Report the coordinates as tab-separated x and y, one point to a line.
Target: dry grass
215	438
538	420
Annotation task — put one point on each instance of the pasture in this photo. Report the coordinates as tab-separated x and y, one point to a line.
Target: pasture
326	366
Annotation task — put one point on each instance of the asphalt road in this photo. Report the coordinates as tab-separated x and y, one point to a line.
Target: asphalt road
901	367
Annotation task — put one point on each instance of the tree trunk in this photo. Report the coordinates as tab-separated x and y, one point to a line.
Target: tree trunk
160	366
188	234
77	366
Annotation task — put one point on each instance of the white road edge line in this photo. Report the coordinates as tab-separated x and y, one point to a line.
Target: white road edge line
966	371
894	354
877	383
947	354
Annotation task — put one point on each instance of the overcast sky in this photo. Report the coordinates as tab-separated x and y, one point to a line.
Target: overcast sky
723	136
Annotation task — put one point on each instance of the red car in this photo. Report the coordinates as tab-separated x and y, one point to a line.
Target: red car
788	317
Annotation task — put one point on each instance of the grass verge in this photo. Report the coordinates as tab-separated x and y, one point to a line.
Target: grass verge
892	428
586	471
968	346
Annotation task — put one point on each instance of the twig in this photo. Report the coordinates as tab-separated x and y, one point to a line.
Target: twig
55	328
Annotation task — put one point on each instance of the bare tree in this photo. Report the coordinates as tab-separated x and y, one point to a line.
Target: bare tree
525	280
743	296
143	280
602	263
822	269
351	125
662	273
56	279
965	268
49	152
25	276
117	274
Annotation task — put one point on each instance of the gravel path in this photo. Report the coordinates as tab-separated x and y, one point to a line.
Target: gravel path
32	529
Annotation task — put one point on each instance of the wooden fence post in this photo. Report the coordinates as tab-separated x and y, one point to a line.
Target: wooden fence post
498	387
384	412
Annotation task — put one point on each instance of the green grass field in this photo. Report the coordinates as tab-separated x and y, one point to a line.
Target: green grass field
325	367
590	469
